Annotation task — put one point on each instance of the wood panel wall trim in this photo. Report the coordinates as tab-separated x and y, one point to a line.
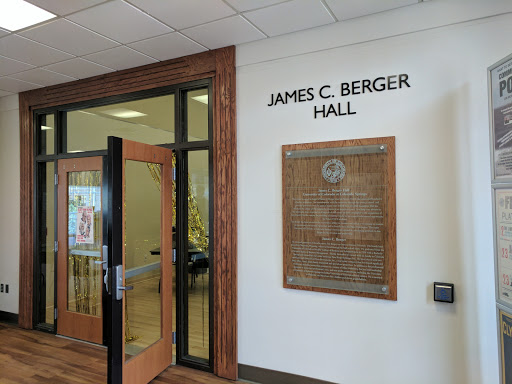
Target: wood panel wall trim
156	75
216	64
225	213
26	213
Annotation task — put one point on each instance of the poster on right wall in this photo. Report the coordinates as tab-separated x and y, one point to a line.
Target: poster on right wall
503	238
500	79
505	327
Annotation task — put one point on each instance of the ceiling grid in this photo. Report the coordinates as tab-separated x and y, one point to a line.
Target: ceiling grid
93	37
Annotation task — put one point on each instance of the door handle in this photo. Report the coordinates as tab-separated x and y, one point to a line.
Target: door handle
118	281
106	280
104	257
99	262
127	288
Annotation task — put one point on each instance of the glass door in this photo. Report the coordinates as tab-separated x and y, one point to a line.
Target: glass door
140	261
79	256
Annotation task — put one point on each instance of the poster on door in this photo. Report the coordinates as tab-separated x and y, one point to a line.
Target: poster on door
85	225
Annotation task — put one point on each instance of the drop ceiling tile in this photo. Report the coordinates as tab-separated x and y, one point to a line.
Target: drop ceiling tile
348	9
69	37
10	66
62	8
247	5
181	14
42	77
4	93
221	33
16	86
120	58
291	16
22	49
120	21
78	68
168	46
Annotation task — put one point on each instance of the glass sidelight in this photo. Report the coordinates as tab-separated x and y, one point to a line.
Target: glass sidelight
45	269
197	304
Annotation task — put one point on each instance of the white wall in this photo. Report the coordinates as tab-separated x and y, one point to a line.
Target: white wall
444	226
9	202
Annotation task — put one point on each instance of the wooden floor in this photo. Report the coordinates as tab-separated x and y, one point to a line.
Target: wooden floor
144	314
37	357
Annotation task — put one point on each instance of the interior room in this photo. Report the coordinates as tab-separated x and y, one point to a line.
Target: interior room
180	199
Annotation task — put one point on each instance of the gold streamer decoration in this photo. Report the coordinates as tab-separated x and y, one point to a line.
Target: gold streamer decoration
128	337
196	230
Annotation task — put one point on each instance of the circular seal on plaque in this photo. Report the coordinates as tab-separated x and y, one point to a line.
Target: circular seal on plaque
333	171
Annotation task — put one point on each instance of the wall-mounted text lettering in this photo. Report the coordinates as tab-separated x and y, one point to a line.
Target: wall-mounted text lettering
357	87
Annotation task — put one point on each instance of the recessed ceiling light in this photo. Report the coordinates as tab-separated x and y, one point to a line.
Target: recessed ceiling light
45	128
18	14
123	113
202	99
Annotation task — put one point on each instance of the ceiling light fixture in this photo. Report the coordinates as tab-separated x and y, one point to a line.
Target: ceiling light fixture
77	151
45	128
202	99
18	14
123	113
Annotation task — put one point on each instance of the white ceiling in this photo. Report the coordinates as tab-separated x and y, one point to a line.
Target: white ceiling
93	37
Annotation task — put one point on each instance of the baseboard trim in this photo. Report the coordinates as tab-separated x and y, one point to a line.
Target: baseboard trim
8	317
268	376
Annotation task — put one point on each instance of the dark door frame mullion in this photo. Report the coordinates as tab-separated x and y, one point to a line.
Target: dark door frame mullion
106	304
115	336
182	265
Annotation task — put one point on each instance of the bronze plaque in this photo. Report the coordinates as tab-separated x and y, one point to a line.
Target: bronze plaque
339	217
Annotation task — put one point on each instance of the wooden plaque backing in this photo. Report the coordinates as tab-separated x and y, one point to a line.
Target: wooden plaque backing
339	229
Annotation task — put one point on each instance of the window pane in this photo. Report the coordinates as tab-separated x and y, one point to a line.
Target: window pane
46	242
142	256
149	121
46	134
84	242
198	255
197	115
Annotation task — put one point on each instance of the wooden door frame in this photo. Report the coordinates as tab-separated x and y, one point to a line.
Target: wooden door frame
157	356
78	325
219	65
